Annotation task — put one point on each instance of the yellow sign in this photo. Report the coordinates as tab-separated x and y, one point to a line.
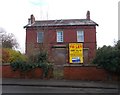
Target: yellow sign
76	53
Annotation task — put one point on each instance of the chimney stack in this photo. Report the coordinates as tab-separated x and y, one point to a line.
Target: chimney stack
88	15
31	20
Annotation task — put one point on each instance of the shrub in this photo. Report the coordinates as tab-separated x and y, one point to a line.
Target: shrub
45	66
9	56
24	67
39	60
109	58
41	57
5	56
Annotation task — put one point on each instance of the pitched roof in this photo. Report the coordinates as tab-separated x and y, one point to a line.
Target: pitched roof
63	22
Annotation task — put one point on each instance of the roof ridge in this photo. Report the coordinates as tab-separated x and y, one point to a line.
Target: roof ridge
60	19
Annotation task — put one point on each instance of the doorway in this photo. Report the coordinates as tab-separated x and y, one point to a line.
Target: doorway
59	57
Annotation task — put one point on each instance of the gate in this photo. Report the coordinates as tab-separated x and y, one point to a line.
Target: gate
59	57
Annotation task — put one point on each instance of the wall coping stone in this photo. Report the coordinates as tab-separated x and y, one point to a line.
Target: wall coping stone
4	64
79	65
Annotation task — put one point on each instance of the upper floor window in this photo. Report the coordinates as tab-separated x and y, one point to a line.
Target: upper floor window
40	37
59	36
80	36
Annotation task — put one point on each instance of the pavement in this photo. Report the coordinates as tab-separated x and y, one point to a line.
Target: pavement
61	83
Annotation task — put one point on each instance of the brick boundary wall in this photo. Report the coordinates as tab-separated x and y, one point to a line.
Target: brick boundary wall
71	72
7	72
86	72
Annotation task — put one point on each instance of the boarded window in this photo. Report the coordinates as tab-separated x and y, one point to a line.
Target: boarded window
85	53
59	36
40	37
80	36
59	56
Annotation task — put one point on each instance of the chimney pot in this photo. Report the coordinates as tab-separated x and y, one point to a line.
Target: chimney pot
29	21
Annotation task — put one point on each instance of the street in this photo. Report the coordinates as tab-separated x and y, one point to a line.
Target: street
39	89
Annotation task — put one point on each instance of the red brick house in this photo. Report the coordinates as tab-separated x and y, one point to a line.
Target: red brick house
55	35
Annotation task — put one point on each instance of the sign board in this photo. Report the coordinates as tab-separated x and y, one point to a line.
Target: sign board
75	52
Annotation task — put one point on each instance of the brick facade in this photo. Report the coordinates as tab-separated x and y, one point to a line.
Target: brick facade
69	28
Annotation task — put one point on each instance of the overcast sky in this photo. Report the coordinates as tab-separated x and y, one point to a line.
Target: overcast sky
14	16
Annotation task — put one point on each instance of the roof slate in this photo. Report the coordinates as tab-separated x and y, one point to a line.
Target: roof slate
63	22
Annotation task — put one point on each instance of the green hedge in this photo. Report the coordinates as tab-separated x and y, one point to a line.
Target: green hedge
108	57
24	67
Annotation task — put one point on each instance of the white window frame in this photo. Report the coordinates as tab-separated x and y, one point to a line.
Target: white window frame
40	40
59	36
80	36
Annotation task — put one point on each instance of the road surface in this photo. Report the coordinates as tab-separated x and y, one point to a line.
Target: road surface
39	89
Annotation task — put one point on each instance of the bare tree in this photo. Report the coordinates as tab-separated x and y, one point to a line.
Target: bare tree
8	40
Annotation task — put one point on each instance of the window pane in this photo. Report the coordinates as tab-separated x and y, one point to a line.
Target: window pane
40	36
60	36
80	36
